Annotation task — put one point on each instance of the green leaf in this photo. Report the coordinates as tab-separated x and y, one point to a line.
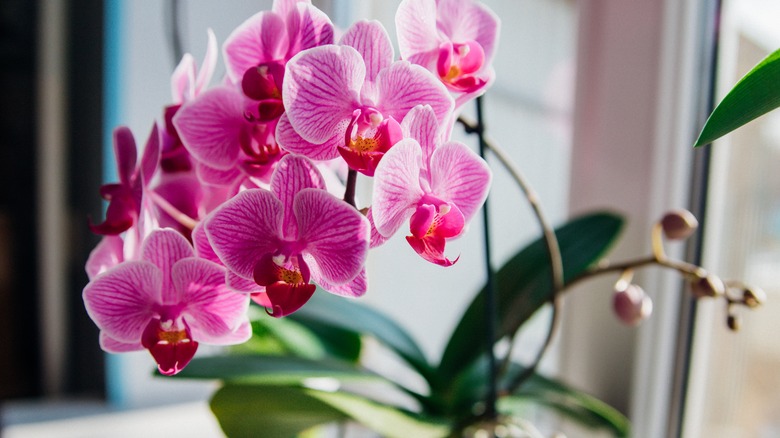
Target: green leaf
757	93
338	312
272	369
388	421
523	285
273	411
577	405
250	411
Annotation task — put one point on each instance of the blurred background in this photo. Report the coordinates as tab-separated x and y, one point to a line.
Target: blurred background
597	102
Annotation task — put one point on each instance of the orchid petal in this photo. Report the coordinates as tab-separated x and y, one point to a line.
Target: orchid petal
208	65
111	345
242	285
355	288
217	177
320	89
370	39
164	248
289	139
126	154
244	229
259	39
421	124
283	7
402	86
397	186
460	176
212	309
376	238
415	22
151	157
120	301
107	254
183	79
210	126
201	244
462	21
293	174
307	27
336	235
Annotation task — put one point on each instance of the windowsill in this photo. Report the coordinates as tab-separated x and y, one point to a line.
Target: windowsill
192	419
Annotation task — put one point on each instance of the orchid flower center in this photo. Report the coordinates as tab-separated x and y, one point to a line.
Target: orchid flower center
458	64
263	84
286	281
368	136
259	147
170	343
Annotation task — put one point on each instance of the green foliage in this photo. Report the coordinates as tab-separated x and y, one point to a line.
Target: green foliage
757	93
269	385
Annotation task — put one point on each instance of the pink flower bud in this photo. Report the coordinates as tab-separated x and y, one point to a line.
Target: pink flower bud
632	305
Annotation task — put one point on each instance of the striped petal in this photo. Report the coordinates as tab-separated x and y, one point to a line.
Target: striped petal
397	186
370	39
460	176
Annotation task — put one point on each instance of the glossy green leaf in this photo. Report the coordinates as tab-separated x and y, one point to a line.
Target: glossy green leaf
250	411
272	369
346	314
757	93
388	421
523	285
574	404
272	411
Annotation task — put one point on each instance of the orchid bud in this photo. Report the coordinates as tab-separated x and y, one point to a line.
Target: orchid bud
734	323
753	297
707	286
679	224
632	305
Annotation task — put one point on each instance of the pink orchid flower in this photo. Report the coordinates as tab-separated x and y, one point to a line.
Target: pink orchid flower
187	82
347	99
438	187
126	197
295	232
257	51
455	39
166	302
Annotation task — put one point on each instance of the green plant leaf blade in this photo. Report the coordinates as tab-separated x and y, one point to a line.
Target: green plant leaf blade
524	285
274	411
272	369
757	93
338	312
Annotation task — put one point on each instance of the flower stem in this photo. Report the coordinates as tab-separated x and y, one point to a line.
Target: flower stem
172	211
553	249
491	308
349	192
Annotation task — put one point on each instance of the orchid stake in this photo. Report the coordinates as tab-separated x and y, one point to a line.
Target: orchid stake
490	296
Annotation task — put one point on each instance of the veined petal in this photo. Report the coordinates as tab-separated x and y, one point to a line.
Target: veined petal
336	235
208	65
120	301
307	27
415	22
244	229
421	124
402	86
107	254
283	7
201	244
217	177
293	174
111	345
183	79
125	153
370	39
164	248
463	21
211	310
261	38
397	186
291	141
150	158
460	176
242	285
211	125
320	90
355	288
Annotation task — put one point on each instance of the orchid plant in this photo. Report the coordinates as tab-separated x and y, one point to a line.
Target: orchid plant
245	200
